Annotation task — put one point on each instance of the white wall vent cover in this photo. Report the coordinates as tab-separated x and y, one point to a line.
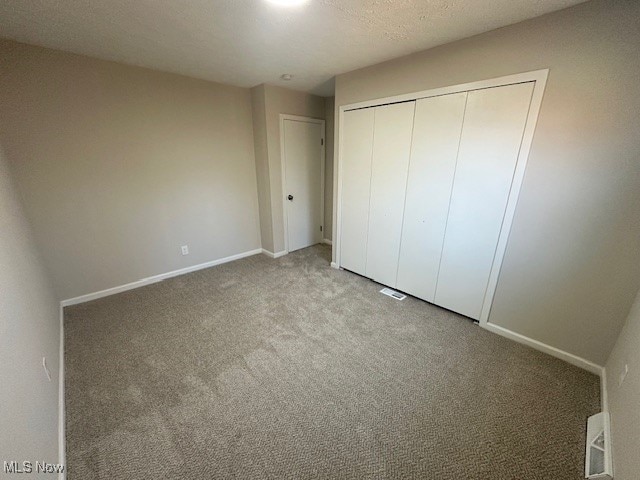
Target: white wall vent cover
598	463
393	293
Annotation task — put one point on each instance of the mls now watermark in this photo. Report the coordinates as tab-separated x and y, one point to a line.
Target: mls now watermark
31	467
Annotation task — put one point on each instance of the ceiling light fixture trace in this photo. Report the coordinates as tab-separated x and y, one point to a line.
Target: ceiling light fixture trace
288	3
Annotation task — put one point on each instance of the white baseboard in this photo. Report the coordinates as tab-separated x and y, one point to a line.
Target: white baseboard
335	265
156	278
274	255
327	241
62	454
543	347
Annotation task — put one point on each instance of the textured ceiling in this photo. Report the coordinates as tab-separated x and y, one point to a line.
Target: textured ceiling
248	42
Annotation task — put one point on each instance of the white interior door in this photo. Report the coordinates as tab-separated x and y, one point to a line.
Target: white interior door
493	128
391	149
357	150
303	176
434	150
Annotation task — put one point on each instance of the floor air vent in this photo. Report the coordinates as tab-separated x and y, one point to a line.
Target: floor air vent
393	293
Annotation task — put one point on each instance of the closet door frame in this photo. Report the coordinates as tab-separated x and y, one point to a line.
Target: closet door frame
539	78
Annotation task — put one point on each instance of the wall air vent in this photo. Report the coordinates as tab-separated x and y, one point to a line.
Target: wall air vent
598	463
393	294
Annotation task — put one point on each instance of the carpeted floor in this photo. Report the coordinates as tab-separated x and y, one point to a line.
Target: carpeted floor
288	369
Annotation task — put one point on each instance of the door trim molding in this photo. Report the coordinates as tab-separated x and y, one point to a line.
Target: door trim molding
539	77
285	216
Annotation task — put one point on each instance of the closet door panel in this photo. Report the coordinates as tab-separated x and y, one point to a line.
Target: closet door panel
356	179
391	150
434	149
491	136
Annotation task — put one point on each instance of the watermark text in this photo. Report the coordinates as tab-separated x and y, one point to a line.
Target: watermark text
32	467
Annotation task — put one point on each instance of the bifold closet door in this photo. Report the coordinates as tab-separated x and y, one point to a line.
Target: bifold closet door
391	149
356	181
434	149
492	133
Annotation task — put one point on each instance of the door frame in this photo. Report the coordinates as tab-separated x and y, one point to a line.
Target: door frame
539	77
285	215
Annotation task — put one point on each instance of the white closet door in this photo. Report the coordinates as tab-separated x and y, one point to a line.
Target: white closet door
434	150
391	150
491	136
356	182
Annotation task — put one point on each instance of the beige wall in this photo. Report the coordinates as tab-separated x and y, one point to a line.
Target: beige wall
570	271
258	108
119	166
277	100
329	112
29	330
624	399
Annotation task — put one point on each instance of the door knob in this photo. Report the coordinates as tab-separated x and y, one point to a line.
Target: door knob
290	197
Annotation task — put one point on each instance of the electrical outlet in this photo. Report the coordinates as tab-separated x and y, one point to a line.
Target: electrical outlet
185	249
46	369
623	374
